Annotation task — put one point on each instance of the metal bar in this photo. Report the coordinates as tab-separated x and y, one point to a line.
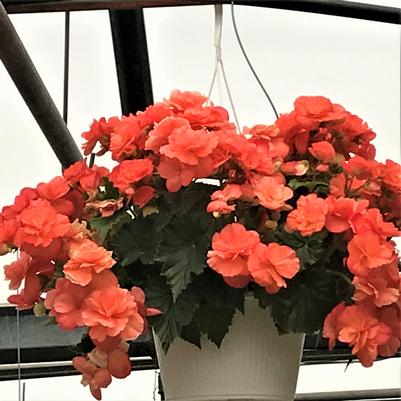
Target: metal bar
132	60
340	8
32	89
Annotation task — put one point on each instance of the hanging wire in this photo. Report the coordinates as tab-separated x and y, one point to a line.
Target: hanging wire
218	29
21	389
66	64
248	61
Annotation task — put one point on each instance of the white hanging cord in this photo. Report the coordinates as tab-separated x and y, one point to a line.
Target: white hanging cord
249	62
218	30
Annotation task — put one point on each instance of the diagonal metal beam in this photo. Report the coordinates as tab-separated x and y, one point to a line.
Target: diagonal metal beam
132	60
31	87
340	8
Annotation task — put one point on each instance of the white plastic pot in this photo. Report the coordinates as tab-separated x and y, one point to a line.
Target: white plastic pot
254	362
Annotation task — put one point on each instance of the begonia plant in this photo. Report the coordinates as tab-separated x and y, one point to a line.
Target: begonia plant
195	215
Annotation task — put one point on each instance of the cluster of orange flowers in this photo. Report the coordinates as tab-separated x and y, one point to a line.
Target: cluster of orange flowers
183	139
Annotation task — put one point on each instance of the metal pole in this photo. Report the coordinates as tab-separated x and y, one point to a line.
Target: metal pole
340	8
31	87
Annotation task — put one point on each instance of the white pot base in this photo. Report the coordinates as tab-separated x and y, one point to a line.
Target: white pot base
253	363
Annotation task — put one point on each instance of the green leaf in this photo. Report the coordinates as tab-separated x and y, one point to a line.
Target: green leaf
215	322
174	315
311	186
308	249
107	227
192	333
138	240
185	242
310	296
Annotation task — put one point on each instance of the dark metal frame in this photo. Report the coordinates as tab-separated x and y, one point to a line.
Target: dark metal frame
134	78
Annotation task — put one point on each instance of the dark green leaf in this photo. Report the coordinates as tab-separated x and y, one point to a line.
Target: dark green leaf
309	298
138	240
174	315
107	227
215	322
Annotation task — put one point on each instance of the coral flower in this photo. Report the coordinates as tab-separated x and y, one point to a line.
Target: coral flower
158	137
391	316
270	264
368	251
271	193
220	199
112	312
54	189
66	299
343	212
392	175
129	172
40	224
125	137
323	151
330	326
378	286
309	217
363	332
85	259
97	378
231	248
99	132
188	145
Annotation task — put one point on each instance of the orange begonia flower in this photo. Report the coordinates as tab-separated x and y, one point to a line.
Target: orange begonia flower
271	193
323	151
97	378
270	264
368	251
85	259
231	248
129	172
188	145
112	312
40	224
330	326
343	212
363	332
309	217
54	189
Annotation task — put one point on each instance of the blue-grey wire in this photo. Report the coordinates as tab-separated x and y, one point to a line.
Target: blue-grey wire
248	61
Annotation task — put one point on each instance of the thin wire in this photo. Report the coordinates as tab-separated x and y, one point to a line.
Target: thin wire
249	62
218	29
229	94
21	394
19	355
66	64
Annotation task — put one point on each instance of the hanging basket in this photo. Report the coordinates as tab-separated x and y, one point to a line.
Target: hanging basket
254	362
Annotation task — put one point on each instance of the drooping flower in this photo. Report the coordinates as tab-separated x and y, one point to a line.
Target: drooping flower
270	264
97	378
85	259
65	301
231	248
309	217
112	312
368	251
330	326
377	286
99	132
363	332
